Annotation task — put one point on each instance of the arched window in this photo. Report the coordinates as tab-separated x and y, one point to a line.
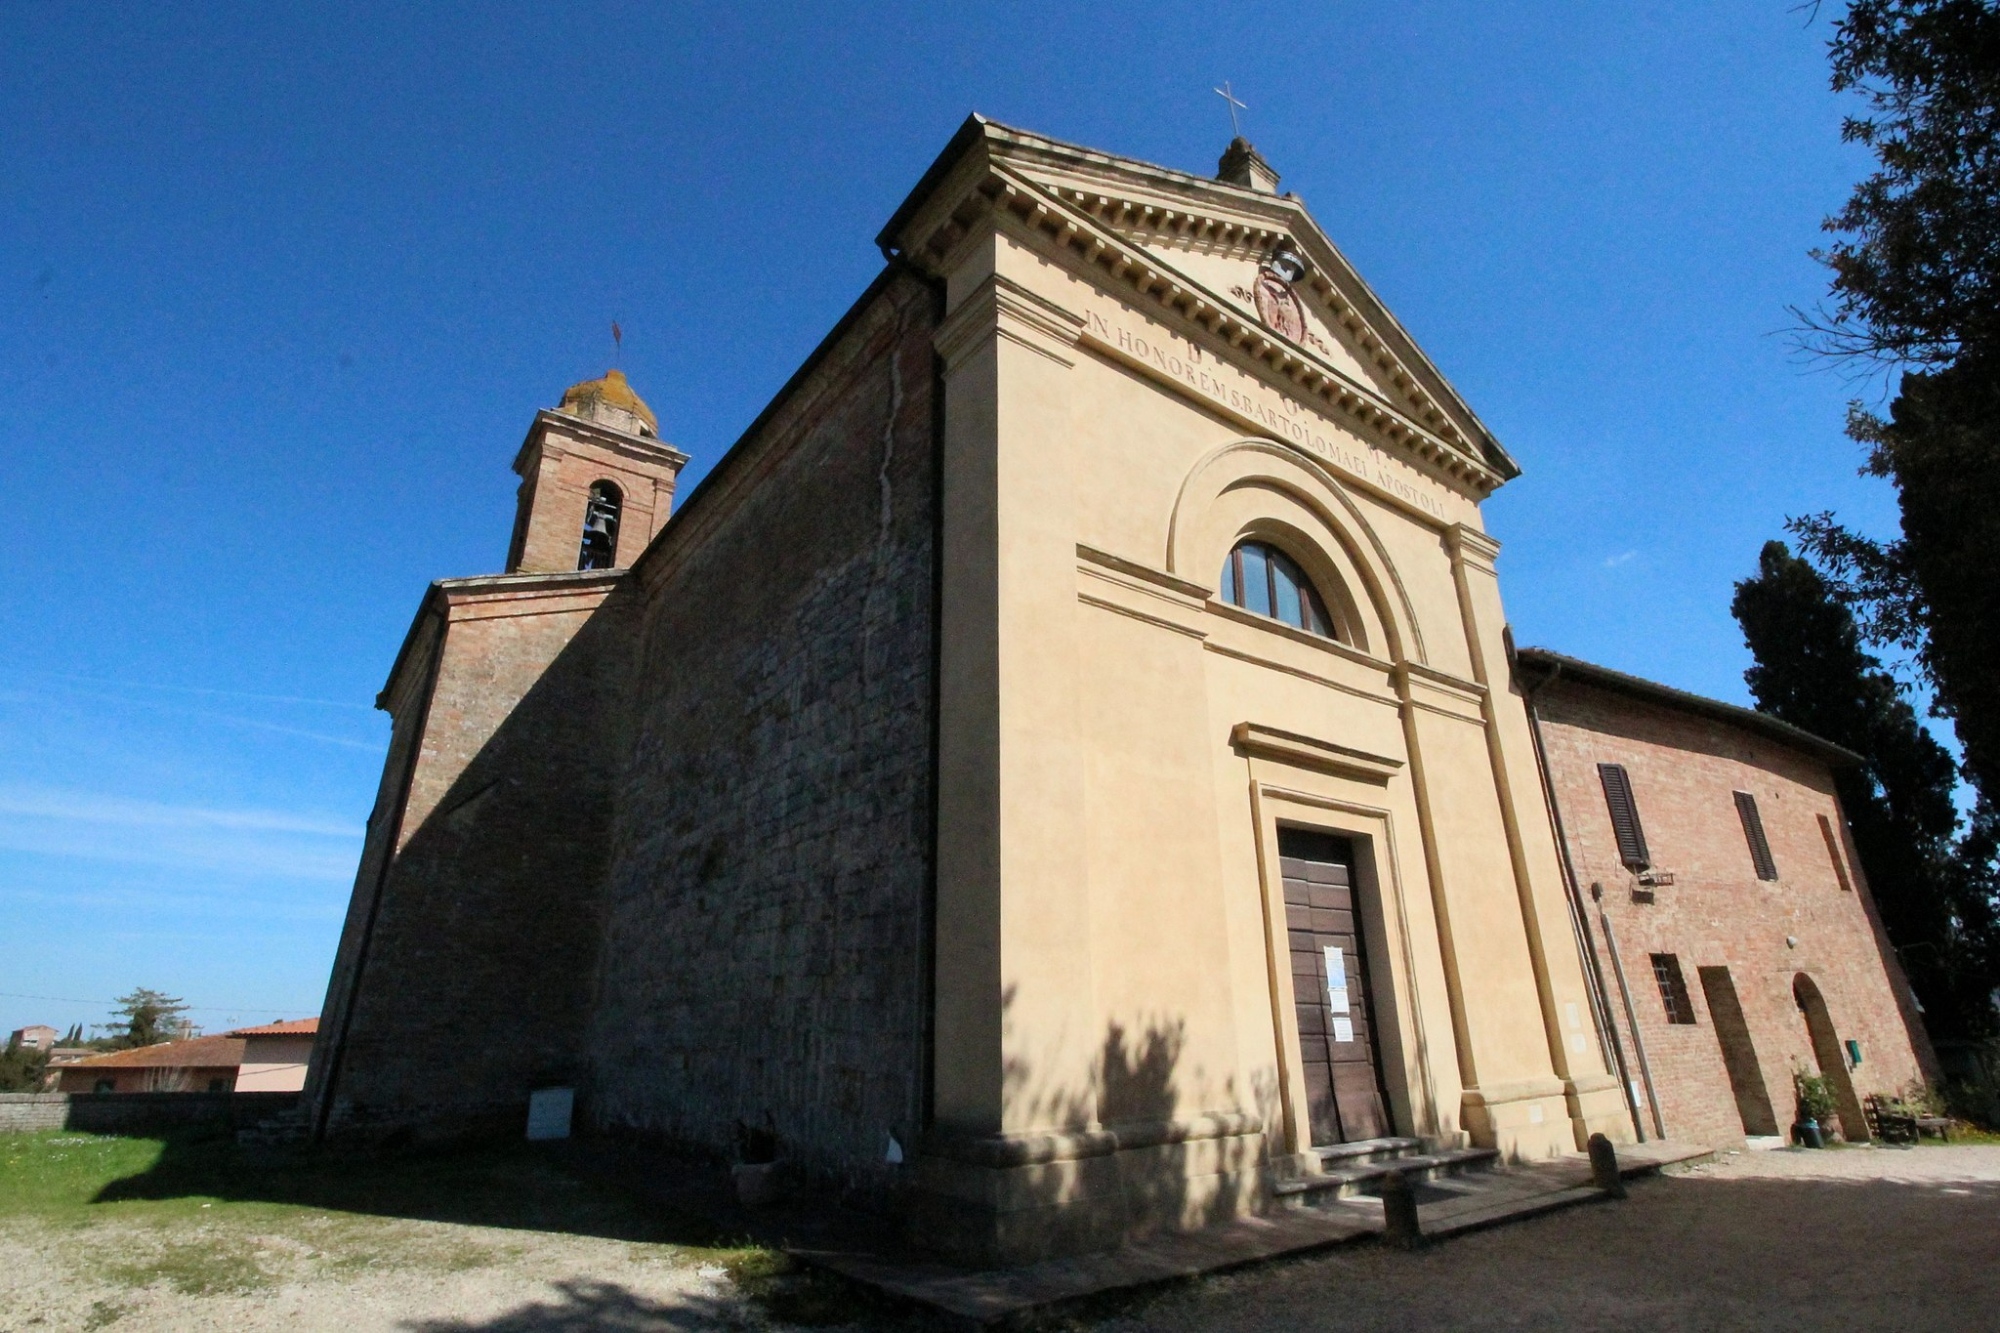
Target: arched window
600	527
1261	578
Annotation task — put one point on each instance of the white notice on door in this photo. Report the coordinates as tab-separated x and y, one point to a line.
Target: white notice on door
1343	1028
1336	981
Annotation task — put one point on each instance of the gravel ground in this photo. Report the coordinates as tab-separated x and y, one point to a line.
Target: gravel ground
361	1275
1900	1239
1861	1238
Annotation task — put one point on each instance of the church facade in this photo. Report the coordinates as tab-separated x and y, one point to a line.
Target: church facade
1063	770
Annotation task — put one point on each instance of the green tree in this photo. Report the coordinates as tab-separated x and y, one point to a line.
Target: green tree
1931	591
1935	892
146	1017
1916	268
1916	288
21	1068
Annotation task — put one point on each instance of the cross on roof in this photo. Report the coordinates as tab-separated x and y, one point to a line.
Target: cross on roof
1234	106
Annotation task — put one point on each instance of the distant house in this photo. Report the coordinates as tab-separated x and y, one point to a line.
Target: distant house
37	1037
200	1064
275	1056
270	1058
59	1056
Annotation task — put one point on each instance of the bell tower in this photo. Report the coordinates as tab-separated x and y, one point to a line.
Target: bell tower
597	482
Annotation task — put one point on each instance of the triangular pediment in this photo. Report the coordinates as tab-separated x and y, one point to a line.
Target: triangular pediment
1233	268
1208	244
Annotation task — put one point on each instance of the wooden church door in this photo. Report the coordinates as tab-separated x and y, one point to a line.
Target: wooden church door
1337	1055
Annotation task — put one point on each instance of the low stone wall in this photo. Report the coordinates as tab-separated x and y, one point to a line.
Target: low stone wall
138	1112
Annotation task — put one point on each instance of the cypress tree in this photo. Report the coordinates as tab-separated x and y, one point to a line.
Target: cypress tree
1933	890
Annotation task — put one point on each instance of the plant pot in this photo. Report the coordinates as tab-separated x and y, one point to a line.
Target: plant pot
758	1183
1806	1134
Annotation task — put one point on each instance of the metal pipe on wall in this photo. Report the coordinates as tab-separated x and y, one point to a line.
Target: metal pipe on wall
1631	1014
1579	922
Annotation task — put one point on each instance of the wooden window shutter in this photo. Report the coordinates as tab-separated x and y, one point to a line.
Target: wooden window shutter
1833	853
1624	816
1753	833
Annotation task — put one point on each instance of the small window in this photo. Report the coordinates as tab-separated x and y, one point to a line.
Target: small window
104	1085
1753	833
1673	988
1261	578
1833	854
600	527
1624	816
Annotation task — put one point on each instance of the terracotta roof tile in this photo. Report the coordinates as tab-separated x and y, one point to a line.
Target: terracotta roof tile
196	1053
297	1027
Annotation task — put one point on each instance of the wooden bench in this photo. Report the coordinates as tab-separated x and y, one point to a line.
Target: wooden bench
1892	1122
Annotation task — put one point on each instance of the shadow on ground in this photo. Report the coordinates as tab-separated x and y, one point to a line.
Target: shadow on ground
609	1190
594	1307
1893	1252
591	1189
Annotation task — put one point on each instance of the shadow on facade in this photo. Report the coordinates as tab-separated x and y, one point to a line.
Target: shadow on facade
1119	1157
1831	1059
467	982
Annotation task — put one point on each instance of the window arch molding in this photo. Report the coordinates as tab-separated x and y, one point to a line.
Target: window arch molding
1325	574
1253	486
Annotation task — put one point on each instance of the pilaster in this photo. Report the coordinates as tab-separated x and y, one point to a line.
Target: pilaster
1591	1101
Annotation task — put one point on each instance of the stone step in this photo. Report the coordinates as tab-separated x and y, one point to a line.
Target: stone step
1365	1177
1368	1150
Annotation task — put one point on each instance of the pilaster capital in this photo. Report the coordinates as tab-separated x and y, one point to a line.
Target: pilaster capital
1470	546
1001	307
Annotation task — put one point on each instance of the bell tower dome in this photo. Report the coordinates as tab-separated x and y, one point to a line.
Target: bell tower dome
597	482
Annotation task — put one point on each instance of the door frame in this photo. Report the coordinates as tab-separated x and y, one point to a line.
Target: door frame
1384	923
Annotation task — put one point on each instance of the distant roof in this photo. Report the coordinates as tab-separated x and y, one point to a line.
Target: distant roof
194	1053
1551	666
297	1027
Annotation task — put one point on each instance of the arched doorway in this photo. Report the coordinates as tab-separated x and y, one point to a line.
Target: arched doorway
1831	1059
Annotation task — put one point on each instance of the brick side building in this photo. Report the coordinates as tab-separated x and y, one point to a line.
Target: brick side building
1727	967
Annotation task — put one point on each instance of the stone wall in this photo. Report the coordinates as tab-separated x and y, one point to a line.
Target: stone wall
765	959
1717	913
474	974
139	1112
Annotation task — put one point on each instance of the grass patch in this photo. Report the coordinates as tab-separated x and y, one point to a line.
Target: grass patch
1963	1136
205	1216
55	1172
102	1313
61	1177
792	1293
209	1266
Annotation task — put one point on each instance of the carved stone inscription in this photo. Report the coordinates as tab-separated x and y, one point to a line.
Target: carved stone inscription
1176	359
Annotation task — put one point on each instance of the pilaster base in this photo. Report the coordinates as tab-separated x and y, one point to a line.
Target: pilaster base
1005	1200
1526	1121
1597	1106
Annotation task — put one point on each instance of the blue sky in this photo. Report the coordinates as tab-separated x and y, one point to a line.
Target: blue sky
281	287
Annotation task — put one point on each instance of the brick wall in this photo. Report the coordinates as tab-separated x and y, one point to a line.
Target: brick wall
765	953
1684	768
474	976
139	1113
569	459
